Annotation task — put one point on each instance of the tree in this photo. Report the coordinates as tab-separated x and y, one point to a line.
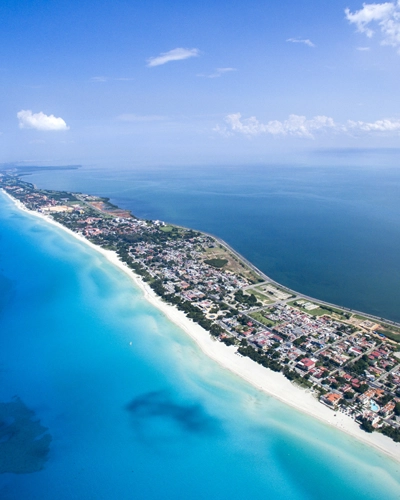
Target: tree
228	341
366	425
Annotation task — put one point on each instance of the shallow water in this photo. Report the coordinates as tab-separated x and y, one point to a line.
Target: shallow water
133	407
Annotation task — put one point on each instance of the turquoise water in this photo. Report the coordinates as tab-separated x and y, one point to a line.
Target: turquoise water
331	233
374	406
133	408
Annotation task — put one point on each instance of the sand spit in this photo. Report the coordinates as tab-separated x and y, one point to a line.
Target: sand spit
272	383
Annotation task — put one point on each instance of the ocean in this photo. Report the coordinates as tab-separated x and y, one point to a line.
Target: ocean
103	397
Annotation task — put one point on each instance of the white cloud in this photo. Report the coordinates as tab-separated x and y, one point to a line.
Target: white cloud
295	125
218	72
363	49
300	40
222	130
173	55
385	15
40	121
385	125
300	126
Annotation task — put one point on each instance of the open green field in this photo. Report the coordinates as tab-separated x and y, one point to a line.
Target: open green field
391	332
390	335
260	318
166	229
218	263
322	310
260	296
313	312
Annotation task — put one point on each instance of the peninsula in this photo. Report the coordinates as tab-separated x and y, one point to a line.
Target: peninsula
347	360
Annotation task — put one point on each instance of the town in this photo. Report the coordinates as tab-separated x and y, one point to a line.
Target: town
349	360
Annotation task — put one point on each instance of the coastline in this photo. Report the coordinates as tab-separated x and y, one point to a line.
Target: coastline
272	383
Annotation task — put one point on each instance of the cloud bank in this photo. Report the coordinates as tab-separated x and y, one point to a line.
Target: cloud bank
40	121
177	54
300	126
385	16
295	125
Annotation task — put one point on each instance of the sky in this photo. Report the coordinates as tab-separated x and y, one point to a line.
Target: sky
190	82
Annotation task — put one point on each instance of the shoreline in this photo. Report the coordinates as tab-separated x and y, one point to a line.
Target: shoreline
271	383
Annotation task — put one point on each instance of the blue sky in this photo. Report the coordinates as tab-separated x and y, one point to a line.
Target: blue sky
191	83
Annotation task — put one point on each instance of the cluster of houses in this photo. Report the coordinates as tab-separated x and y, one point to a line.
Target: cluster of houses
353	369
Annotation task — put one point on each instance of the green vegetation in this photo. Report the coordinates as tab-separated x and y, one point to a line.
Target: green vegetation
228	341
390	335
260	357
391	432
258	316
292	375
300	340
333	310
359	366
168	228
191	311
218	263
312	312
366	425
322	309
260	296
249	300
61	196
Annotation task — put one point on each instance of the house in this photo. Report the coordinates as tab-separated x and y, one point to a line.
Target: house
306	364
331	399
355	350
388	408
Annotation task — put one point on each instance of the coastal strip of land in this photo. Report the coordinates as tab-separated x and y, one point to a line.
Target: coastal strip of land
272	382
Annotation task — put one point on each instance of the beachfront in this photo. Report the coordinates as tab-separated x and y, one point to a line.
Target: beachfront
270	382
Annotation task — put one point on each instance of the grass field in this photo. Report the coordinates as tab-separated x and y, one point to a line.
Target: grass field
219	263
313	312
391	332
259	317
260	296
166	229
390	335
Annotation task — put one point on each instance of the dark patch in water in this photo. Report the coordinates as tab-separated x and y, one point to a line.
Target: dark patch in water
185	417
24	442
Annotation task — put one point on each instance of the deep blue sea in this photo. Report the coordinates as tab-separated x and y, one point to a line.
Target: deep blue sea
331	233
133	407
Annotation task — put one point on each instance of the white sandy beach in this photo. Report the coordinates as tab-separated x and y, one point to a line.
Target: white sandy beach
272	383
